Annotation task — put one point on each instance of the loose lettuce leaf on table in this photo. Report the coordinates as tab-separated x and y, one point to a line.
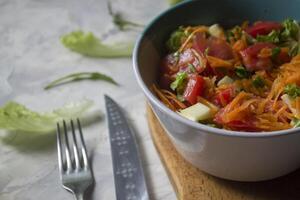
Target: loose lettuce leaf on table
87	44
16	117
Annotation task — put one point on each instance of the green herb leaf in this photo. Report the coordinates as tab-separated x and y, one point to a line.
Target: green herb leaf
176	39
87	44
16	117
272	37
80	76
234	34
290	29
242	72
180	98
275	52
295	122
258	82
294	49
191	68
119	20
292	90
179	81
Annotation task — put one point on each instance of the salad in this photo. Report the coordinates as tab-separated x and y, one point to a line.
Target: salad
246	78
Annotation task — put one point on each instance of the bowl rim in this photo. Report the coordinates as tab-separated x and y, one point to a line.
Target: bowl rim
176	116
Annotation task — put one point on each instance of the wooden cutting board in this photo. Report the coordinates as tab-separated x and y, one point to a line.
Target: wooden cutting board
192	184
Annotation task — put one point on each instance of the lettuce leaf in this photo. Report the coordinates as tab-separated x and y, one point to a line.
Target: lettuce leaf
87	44
16	117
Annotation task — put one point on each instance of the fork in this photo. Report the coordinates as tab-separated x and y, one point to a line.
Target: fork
75	172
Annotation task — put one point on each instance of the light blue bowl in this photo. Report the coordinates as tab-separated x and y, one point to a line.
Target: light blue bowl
234	155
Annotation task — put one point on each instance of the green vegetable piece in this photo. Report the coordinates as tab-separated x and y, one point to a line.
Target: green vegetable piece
179	81
192	68
175	40
294	49
174	2
295	122
290	29
292	90
16	117
272	37
180	97
242	72
119	20
87	44
80	76
258	82
275	52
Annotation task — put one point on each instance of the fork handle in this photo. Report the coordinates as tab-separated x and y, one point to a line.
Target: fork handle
79	196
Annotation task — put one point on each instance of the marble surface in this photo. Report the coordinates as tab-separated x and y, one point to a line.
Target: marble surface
31	56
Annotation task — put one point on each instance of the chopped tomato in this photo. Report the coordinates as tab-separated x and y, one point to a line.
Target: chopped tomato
224	97
215	46
251	60
242	125
263	28
283	57
246	124
194	88
188	58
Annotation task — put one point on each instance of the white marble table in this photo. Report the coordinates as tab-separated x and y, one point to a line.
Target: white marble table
30	56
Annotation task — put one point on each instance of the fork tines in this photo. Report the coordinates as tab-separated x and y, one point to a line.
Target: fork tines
71	158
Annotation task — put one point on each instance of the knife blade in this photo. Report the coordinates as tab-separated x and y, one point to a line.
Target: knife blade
128	173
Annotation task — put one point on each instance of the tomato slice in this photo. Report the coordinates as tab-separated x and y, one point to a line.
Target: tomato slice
194	88
251	60
263	28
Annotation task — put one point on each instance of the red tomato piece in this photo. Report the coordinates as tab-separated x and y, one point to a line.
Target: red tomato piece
225	96
243	125
251	60
216	46
263	28
188	57
246	124
194	88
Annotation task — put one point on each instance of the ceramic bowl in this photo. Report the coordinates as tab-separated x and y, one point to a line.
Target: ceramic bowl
241	156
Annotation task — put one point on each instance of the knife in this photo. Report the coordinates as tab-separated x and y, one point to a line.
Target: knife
128	173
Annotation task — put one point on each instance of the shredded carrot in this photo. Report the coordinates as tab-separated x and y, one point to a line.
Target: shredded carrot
200	29
217	62
239	45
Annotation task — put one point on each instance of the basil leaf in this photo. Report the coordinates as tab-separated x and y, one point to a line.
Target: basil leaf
80	76
292	90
